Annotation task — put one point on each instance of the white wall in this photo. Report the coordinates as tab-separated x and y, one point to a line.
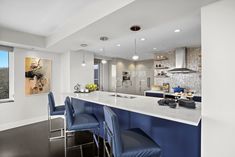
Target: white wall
73	72
78	73
65	72
218	79
28	109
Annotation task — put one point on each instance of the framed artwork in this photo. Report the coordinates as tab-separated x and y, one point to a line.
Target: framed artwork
37	75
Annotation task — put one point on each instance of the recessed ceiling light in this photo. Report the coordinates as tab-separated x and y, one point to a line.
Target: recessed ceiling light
142	39
101	49
104	38
177	30
83	45
118	45
154	48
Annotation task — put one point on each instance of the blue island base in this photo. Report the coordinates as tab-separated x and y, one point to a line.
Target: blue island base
176	139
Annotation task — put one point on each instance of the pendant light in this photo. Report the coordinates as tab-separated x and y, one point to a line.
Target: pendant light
104	38
135	56
83	56
103	61
135	28
83	61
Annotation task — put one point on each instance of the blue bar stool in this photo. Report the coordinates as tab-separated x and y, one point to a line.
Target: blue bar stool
128	143
53	111
79	121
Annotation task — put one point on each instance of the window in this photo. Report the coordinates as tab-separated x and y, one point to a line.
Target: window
6	74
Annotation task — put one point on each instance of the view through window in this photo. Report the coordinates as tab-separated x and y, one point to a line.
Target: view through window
4	74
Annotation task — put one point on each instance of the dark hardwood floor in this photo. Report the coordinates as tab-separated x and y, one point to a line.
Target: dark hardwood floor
32	141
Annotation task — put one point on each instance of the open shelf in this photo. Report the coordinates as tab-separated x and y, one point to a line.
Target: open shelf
162	68
161	76
161	58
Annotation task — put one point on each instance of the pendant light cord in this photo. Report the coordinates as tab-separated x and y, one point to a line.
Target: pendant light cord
135	46
104	50
83	57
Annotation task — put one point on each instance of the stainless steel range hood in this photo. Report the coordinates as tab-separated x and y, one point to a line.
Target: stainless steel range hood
180	62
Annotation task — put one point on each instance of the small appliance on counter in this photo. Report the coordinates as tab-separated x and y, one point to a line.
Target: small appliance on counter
172	103
178	89
187	103
168	102
166	87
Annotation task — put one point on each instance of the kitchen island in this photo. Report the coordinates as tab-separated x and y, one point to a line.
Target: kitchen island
178	131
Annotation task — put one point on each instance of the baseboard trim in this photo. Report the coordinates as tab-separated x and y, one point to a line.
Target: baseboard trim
16	124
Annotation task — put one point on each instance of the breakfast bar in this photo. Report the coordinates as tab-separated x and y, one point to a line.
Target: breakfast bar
178	131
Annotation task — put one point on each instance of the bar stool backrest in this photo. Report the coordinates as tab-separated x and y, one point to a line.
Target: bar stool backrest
111	121
81	106
68	113
51	102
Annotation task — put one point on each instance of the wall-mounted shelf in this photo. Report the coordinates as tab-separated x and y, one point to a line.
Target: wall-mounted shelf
161	58
162	68
165	76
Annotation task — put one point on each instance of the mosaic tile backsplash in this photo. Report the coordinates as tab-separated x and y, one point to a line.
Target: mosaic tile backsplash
189	81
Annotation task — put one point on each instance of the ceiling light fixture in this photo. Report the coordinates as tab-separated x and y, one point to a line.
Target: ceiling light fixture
103	61
135	56
177	31
135	28
104	38
101	49
154	48
118	45
83	64
83	57
83	45
83	60
142	39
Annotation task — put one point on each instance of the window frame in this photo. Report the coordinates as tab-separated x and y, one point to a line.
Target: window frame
11	77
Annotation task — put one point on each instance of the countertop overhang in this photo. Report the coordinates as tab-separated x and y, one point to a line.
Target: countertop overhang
143	105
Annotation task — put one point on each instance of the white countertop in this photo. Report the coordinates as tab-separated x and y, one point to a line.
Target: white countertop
144	105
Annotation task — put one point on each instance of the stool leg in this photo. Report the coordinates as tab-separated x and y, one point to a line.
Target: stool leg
104	141
50	123
81	150
65	139
96	140
98	136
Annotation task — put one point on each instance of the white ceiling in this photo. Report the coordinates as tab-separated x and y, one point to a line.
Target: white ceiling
40	17
158	19
69	23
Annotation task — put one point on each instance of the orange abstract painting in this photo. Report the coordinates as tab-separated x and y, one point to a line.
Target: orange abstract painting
37	75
